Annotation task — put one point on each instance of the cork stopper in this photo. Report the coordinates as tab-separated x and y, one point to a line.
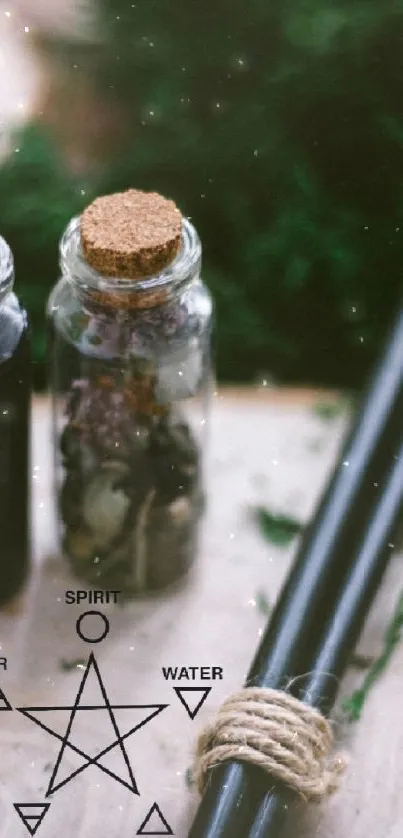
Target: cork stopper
131	235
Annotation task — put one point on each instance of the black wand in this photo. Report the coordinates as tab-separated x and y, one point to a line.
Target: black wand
324	603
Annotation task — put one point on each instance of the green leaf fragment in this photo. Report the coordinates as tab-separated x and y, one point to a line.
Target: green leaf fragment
354	704
278	529
68	666
328	411
262	603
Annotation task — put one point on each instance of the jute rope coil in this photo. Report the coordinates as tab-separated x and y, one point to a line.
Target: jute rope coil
271	729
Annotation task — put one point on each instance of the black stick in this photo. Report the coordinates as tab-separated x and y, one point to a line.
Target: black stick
343	629
236	803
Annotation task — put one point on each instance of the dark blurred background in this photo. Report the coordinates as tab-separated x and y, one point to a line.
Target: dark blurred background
277	126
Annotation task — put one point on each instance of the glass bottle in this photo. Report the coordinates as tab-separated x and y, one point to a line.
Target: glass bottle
131	374
15	393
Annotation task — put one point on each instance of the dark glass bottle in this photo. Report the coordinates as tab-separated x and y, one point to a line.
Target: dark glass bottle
15	392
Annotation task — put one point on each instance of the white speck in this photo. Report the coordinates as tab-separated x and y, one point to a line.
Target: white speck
218	105
121	807
275	462
202	421
96	559
7	14
354	309
232	535
390	544
151	113
41	505
376	485
82	191
5	412
180	373
361	339
151	44
260	633
256	152
397	230
59	599
26	28
37	468
16	150
179	773
366	228
346	463
21	105
131	648
252	602
240	62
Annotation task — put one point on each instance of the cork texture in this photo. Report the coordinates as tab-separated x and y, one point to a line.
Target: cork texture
132	234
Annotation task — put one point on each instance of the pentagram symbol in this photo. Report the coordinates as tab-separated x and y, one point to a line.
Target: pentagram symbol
126	777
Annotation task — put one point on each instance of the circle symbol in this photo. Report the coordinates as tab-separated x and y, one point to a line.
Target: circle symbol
94	638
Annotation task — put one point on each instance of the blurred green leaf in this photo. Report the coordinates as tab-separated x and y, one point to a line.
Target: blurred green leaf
262	603
328	411
278	529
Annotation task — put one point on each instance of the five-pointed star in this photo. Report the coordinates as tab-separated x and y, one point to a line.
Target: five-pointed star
118	741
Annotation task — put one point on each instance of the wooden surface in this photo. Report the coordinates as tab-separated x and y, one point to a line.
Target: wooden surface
269	448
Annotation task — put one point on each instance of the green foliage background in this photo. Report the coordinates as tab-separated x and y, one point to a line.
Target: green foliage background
279	128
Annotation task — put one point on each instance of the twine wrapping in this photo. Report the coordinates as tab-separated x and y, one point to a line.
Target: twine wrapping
271	729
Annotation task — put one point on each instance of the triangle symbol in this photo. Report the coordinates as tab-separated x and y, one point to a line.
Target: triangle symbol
155	828
5	702
32	814
192	708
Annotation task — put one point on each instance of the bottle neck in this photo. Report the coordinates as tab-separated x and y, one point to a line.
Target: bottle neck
129	295
6	270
